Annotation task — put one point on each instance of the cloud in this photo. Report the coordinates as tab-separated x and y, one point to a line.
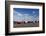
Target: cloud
28	18
33	12
23	18
26	14
17	13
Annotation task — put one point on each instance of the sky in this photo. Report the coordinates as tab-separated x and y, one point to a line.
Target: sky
25	14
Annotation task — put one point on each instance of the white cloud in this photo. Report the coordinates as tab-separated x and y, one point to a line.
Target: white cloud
33	12
26	14
19	14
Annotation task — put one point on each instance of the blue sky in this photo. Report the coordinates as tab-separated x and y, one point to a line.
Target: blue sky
21	14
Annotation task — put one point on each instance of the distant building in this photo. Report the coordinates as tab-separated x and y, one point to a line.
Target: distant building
30	21
23	22
19	22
